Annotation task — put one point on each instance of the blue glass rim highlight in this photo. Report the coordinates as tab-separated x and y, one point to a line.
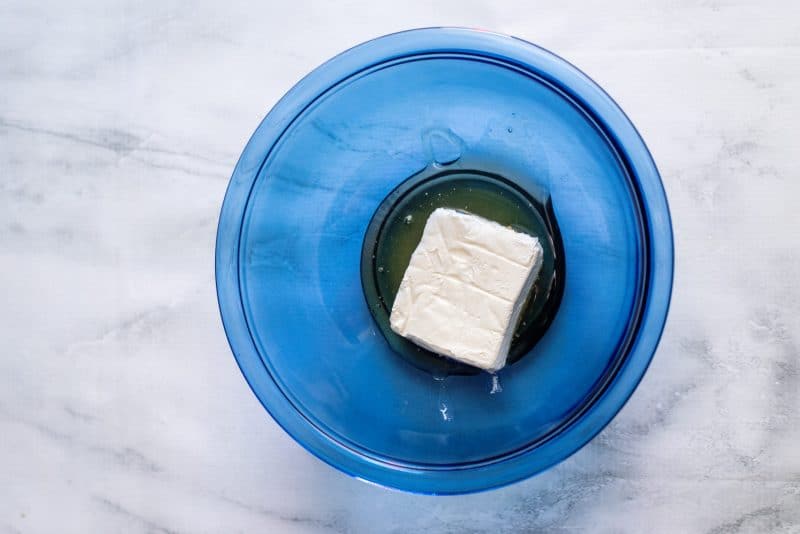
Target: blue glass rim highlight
626	141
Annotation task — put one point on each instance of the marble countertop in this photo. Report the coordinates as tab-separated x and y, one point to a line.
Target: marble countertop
121	408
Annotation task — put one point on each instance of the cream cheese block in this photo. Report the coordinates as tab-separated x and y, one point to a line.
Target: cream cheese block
465	287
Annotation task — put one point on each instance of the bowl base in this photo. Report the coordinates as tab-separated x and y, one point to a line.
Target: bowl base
396	229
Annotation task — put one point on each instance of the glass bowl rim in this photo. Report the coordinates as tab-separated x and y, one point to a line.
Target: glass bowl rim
642	170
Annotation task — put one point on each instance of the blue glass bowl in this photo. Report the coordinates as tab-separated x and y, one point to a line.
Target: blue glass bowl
293	223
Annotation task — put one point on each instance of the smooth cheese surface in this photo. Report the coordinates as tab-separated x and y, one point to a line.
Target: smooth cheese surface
464	287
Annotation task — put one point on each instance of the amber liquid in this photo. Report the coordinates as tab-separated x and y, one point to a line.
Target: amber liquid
396	230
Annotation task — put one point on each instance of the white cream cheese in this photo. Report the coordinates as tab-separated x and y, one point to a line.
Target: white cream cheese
465	286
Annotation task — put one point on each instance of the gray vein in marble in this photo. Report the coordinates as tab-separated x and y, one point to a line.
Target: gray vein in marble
765	519
337	523
126	457
140	323
118	141
80	416
149	526
125	145
190	172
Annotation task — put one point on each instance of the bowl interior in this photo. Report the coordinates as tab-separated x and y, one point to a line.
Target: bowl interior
304	225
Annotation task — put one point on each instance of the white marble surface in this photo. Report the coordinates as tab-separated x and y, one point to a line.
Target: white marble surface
121	408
